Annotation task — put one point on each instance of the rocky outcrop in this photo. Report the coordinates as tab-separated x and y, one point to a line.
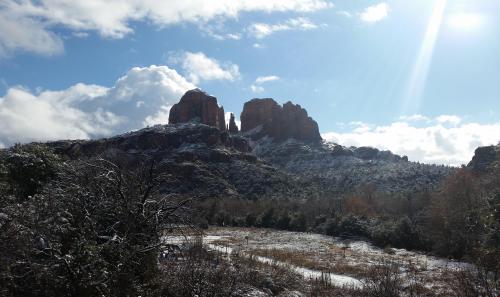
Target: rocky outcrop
196	160
265	117
232	125
484	157
201	159
339	169
197	106
370	153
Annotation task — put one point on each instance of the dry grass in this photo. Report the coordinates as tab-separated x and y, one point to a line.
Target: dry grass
228	241
384	278
310	260
300	259
339	258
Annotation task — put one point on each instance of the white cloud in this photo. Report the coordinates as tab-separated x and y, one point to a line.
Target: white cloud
262	30
360	127
141	97
217	32
375	13
256	86
25	34
433	143
153	85
449	119
161	117
198	67
25	116
414	118
233	36
35	20
257	89
263	79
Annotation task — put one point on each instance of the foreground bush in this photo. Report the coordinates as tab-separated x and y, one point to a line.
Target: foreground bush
93	230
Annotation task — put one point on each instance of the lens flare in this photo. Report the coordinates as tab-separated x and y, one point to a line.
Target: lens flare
416	85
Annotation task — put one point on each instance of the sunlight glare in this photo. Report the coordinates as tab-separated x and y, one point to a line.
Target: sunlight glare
421	68
465	21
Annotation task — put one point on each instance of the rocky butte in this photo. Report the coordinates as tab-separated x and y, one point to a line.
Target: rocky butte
198	106
260	117
284	158
266	117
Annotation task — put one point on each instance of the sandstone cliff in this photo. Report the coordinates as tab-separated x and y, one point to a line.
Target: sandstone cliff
197	106
265	117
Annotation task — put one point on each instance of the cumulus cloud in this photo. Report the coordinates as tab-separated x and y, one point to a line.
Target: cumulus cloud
198	67
25	116
161	117
262	30
414	118
257	87
25	34
449	119
375	13
143	96
29	24
434	143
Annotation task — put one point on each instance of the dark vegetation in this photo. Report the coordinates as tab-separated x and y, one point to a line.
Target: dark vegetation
93	227
459	221
85	228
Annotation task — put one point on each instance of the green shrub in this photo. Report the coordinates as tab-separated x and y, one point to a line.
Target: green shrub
29	167
352	226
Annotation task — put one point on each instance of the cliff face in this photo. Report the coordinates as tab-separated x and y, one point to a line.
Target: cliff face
279	122
198	106
485	157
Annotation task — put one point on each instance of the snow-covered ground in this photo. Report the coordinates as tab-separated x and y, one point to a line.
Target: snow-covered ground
343	263
337	280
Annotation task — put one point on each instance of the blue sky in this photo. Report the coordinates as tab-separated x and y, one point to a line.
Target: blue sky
421	78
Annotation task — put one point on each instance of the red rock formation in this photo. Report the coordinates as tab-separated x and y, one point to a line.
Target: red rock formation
221	119
257	112
232	125
281	123
198	106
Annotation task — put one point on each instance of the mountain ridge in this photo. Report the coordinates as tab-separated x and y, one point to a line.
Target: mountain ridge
205	159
